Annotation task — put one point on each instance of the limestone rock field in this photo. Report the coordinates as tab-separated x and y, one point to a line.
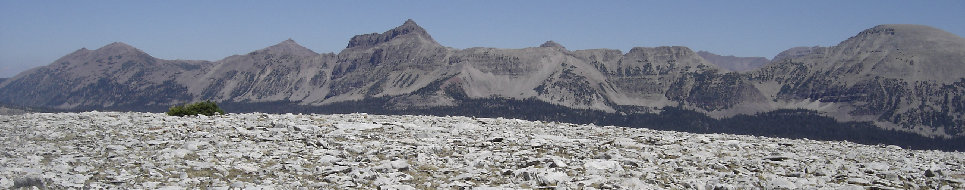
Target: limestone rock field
117	150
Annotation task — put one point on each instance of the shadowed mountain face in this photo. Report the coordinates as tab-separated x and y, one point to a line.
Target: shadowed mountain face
905	77
113	75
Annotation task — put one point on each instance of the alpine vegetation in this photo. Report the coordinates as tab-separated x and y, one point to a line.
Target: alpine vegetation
207	108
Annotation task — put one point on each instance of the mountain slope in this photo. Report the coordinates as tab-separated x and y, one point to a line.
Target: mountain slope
905	77
908	77
111	76
396	62
282	72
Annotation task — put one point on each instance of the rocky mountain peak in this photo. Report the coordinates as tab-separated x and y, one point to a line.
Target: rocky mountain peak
289	47
552	44
109	50
910	52
288	41
408	30
896	36
118	48
409	23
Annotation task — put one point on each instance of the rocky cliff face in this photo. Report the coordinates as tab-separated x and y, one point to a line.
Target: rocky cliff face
396	62
282	72
909	77
733	63
901	76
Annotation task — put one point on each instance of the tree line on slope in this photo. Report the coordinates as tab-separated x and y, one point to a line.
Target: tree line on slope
797	123
792	123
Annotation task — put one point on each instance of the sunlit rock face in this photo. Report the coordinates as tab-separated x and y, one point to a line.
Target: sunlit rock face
359	151
733	63
908	78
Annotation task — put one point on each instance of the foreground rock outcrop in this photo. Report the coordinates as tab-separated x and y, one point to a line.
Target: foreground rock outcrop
148	150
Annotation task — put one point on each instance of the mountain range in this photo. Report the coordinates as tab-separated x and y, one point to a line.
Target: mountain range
899	78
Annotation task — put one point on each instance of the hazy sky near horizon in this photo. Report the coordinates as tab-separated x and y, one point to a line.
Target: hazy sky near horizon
36	33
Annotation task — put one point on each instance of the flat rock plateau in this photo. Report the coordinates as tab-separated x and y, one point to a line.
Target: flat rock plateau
114	150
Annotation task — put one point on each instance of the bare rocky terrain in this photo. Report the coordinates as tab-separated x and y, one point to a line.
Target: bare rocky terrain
115	150
734	63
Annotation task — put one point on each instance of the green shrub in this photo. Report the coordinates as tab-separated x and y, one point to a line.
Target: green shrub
204	108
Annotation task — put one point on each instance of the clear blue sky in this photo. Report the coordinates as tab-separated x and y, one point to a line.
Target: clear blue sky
35	33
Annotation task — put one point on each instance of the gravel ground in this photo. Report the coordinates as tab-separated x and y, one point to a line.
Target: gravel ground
358	151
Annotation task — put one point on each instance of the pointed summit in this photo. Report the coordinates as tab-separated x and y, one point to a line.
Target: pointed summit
552	44
408	30
289	47
409	27
410	22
